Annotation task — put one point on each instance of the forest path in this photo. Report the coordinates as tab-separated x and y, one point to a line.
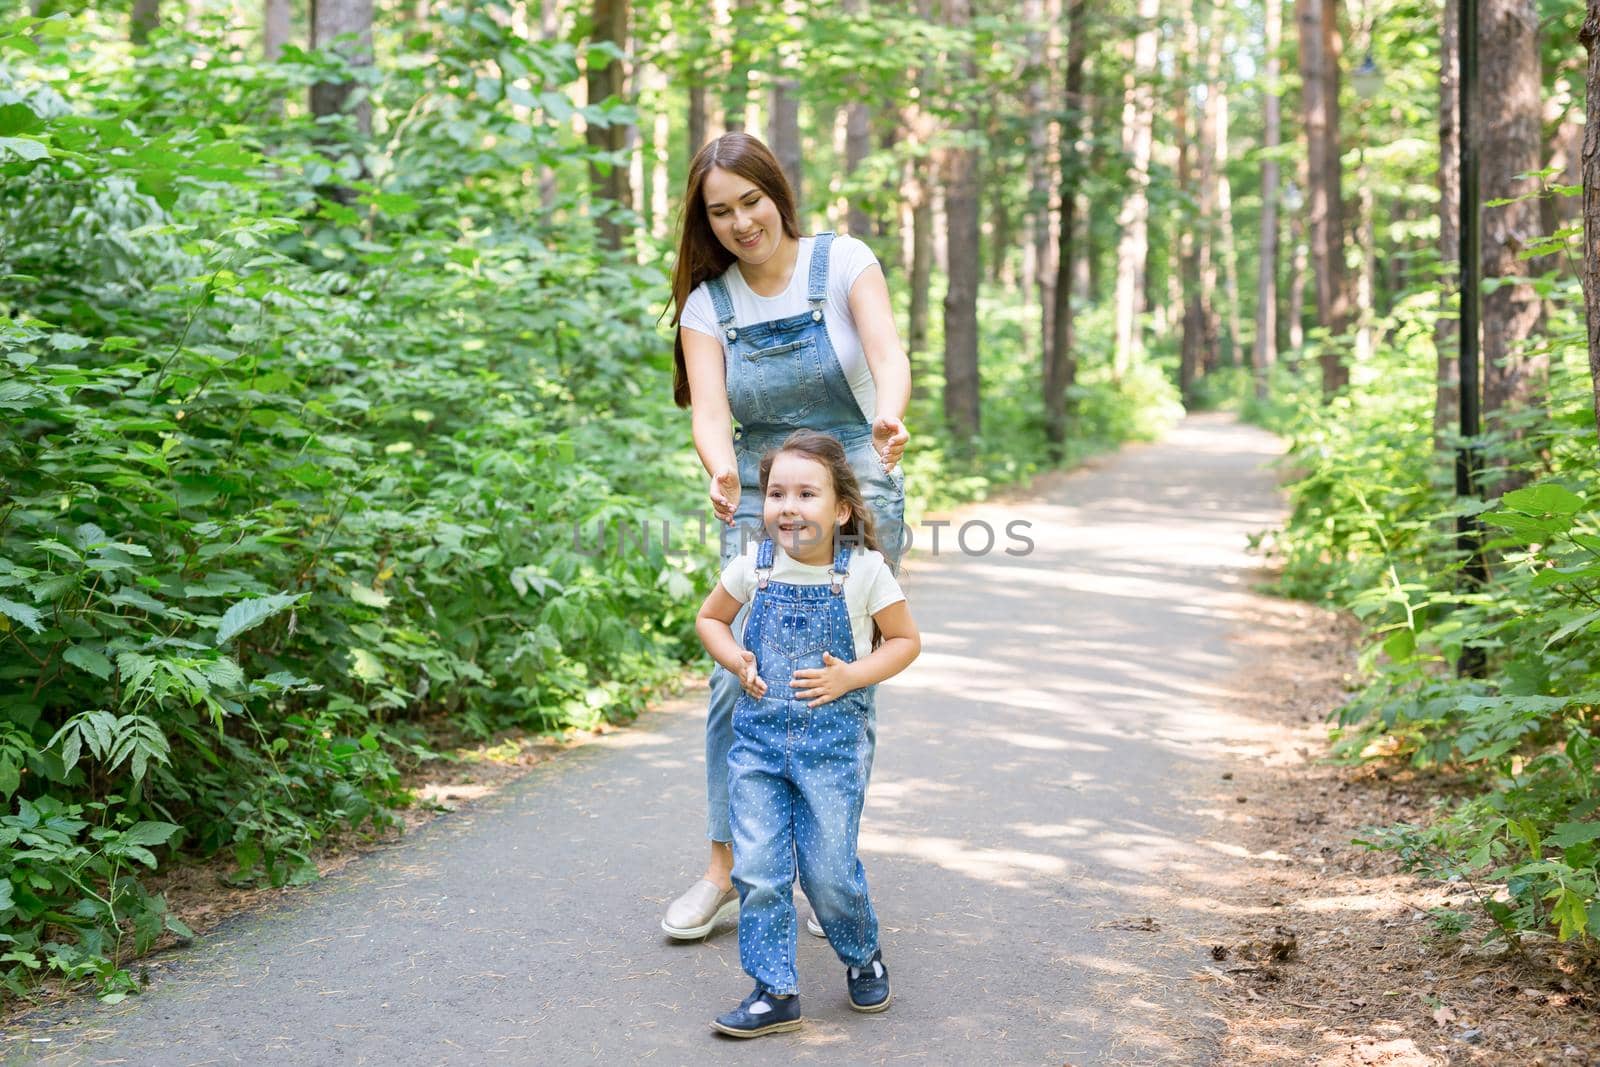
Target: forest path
1040	788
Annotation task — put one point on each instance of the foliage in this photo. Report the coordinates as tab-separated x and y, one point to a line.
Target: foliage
1374	529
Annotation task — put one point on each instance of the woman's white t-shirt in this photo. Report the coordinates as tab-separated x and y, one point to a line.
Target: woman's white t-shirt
847	258
869	585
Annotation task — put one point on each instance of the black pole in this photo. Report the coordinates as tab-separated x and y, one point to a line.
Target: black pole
1468	537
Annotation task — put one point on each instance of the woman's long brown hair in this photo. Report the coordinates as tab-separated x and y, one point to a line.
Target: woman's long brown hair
862	526
700	255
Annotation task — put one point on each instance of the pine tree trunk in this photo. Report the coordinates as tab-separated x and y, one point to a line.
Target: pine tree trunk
1591	198
1447	398
609	186
1225	237
274	29
330	20
1265	352
784	138
1189	311
1514	379
146	17
1133	219
1061	368
1319	72
1208	165
1039	224
962	207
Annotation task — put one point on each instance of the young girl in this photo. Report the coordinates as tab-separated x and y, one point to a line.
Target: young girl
809	665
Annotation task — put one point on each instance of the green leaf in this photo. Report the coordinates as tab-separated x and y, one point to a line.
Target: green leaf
365	665
86	658
1570	914
1568	834
1547	498
247	613
149	833
363	594
22	148
23	614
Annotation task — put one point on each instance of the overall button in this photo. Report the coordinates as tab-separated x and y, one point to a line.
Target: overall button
733	335
816	316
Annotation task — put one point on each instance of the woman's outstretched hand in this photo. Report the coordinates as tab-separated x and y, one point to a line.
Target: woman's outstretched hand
889	438
724	493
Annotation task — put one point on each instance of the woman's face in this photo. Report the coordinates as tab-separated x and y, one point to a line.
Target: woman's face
743	217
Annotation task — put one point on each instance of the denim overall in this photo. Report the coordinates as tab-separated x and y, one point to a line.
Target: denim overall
797	777
783	375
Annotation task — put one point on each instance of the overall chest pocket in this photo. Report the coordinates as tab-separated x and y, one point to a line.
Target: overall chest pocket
781	383
797	636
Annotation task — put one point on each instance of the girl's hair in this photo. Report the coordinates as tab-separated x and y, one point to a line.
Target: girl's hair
700	255
861	527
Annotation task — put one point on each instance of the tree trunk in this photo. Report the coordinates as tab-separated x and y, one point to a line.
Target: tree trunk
1319	71
1265	352
330	20
1509	86
920	129
736	98
1189	311
785	135
1225	237
1061	364
609	186
1040	238
146	17
1447	397
962	205
1133	219
857	142
1209	164
1591	198
275	19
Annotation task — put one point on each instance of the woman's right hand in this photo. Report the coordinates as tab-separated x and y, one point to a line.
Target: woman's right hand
724	493
749	679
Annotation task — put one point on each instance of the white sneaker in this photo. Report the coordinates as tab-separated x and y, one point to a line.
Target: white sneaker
701	907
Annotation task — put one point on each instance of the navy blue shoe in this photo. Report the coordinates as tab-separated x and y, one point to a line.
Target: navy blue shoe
761	1013
869	985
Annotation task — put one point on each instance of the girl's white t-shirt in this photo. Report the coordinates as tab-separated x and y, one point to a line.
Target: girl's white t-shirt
869	585
848	257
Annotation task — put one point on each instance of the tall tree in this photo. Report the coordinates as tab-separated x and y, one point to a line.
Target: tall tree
919	126
1061	362
608	183
1447	390
146	17
275	18
784	135
1591	197
1509	88
1320	49
962	205
346	27
1133	219
1038	265
1209	163
858	141
1265	352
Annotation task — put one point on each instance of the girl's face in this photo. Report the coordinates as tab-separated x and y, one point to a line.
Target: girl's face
743	217
801	509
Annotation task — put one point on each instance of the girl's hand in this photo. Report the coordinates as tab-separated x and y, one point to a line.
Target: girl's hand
749	679
889	439
822	685
724	493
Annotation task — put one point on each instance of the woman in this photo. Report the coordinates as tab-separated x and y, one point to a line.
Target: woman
778	332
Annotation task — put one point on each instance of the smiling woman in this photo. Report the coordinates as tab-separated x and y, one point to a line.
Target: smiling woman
777	332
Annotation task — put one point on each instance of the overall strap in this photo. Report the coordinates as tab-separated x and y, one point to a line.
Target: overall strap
817	290
840	568
764	563
723	304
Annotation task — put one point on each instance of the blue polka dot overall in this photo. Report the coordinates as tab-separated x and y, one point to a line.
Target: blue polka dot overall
783	375
797	777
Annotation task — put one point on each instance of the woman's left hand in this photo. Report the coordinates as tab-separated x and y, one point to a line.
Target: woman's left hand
889	439
822	685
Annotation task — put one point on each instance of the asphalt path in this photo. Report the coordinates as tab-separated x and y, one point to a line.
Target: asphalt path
1035	838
